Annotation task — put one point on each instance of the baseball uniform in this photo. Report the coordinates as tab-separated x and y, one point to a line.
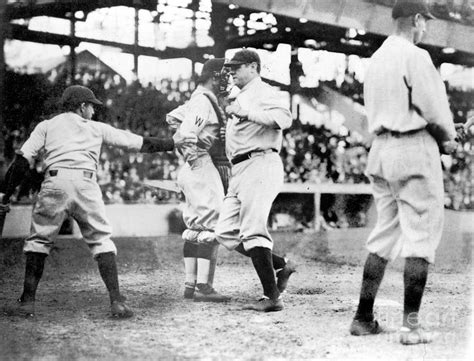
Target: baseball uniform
408	111
253	145
201	183
71	143
71	152
198	177
405	98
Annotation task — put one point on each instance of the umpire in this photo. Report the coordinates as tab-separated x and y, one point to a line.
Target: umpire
408	111
71	144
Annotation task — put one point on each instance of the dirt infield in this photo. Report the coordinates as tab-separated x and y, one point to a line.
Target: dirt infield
73	321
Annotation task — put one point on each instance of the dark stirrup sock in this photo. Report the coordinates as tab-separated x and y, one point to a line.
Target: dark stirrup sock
190	249
262	261
33	271
278	262
240	248
374	270
204	250
414	278
212	266
108	272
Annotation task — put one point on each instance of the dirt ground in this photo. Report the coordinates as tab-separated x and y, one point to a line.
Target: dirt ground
73	323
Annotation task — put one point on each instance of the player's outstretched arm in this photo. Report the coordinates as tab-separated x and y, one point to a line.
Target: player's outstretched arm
154	144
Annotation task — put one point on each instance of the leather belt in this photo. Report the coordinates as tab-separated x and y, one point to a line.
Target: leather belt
86	173
242	157
396	134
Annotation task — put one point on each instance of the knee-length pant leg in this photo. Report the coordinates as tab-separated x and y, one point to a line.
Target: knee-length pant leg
49	212
204	193
254	185
89	212
408	188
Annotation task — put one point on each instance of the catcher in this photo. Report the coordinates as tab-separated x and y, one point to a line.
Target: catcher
203	179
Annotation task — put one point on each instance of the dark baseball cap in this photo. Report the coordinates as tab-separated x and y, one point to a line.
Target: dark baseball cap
77	94
210	67
405	8
244	56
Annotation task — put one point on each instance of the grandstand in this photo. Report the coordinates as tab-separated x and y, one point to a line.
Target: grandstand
316	152
316	51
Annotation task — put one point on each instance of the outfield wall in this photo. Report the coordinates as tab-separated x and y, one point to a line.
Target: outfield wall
143	220
128	220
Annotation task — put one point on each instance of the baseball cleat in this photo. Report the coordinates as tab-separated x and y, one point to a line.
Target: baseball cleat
415	336
364	328
283	276
188	290
265	304
205	293
120	310
20	308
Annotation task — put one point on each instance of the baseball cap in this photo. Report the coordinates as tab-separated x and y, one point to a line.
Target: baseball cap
244	56
77	94
210	67
405	8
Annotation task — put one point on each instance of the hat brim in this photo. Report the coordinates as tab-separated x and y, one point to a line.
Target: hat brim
96	101
429	16
234	63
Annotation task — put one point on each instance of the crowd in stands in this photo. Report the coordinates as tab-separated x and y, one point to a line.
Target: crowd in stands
316	155
310	153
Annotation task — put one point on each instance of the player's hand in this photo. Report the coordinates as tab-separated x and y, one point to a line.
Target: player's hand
181	140
236	109
449	146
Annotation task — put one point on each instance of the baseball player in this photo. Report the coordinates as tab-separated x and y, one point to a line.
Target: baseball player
201	182
253	141
408	111
71	144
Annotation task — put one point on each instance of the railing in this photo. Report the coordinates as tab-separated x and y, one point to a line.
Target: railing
326	188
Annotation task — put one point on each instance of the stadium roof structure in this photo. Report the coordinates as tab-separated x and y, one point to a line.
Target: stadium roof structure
347	26
24	9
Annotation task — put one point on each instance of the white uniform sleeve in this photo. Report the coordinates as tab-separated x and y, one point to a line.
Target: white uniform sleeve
176	116
35	142
272	113
120	138
198	113
428	95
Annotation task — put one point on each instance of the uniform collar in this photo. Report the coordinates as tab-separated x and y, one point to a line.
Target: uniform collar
255	80
202	90
76	116
399	39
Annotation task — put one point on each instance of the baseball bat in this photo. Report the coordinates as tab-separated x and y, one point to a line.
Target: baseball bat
162	184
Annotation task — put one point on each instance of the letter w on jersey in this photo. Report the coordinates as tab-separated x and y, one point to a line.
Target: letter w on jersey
199	120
